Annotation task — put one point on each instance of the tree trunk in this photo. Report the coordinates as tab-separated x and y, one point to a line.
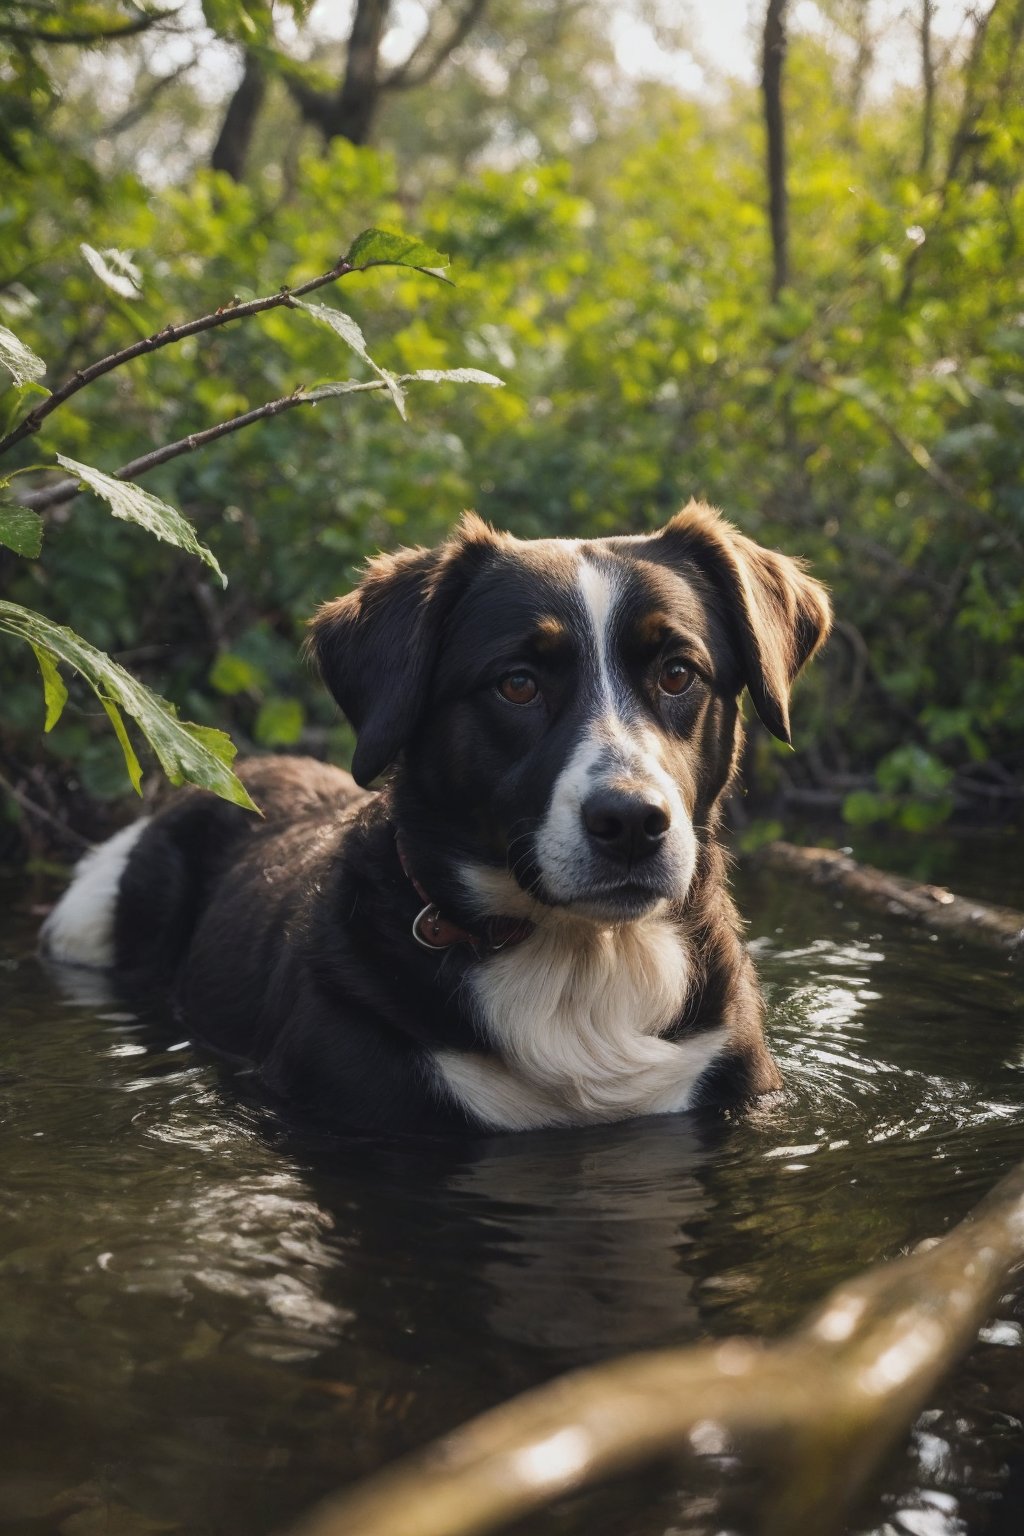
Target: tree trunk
928	86
349	112
356	103
771	84
863	60
231	151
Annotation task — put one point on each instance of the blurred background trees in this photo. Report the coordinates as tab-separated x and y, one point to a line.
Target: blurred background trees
832	352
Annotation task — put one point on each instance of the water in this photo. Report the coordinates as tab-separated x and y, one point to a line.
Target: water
209	1321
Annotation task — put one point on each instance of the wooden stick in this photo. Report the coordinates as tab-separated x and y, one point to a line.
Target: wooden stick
821	1406
932	906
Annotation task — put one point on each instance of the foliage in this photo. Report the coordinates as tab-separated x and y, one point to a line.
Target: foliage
869	420
200	754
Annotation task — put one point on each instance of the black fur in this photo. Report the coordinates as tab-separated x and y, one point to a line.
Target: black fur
287	940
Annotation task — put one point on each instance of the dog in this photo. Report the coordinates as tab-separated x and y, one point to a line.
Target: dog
529	924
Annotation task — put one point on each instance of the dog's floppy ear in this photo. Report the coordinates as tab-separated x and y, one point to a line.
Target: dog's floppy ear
376	647
779	615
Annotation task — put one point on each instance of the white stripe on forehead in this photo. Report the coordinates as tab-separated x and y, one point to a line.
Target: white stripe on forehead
597	588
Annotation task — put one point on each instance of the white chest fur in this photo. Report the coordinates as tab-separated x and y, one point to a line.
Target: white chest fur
574	1016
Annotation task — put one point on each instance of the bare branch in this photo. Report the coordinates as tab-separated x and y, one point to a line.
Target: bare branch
931	906
406	76
32	34
348	113
164	338
148	99
65	490
42	814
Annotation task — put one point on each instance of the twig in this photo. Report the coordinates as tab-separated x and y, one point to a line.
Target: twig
20	798
65	490
407	75
138	110
99	35
932	906
165	338
821	1406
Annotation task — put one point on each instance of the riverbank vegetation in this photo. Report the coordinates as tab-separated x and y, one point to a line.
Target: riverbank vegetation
795	292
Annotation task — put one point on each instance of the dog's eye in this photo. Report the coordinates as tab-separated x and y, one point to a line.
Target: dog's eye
675	677
519	688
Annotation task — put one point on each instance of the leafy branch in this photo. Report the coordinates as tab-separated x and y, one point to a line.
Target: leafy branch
64	490
185	751
383	250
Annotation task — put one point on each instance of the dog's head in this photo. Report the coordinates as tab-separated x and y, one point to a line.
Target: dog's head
565	711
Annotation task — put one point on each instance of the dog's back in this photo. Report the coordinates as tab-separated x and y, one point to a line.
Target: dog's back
135	901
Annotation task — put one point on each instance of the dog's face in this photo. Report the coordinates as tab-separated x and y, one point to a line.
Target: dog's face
565	712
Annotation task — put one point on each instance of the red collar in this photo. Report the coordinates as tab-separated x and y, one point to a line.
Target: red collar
433	931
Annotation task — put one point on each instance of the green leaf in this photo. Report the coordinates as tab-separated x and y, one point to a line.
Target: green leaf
131	761
135	505
231	674
54	692
279	723
423	376
196	753
454	376
21	530
18	402
925	815
862	808
116	269
344	326
381	247
759	833
18	359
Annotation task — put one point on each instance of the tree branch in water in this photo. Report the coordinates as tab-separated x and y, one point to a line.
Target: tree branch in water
821	1407
931	906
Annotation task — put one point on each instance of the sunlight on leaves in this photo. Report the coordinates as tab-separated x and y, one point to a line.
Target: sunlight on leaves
381	247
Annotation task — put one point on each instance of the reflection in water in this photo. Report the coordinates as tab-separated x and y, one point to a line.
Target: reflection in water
559	1207
210	1319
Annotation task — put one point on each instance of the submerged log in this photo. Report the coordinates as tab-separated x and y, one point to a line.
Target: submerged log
818	1409
931	906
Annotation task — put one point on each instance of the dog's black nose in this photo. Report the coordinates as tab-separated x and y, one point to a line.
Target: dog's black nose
625	826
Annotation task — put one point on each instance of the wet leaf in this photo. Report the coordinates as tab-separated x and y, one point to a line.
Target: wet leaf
21	530
196	753
54	692
134	505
